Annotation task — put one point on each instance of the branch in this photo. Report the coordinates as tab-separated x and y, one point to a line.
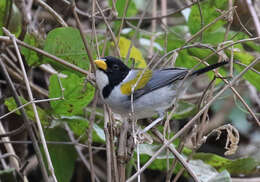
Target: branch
38	122
26	121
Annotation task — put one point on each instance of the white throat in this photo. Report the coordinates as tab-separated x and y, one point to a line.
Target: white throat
101	79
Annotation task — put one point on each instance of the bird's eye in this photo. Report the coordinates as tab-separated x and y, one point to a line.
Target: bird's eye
115	67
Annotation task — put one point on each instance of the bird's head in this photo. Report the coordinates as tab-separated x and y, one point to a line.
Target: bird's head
110	71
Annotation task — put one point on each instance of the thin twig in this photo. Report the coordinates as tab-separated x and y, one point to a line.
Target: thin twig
11	54
87	48
164	11
3	162
209	25
243	27
201	20
168	15
54	143
177	155
114	8
25	18
78	149
55	15
137	154
122	21
14	132
186	47
121	152
230	45
153	29
108	148
90	129
94	31
109	29
136	31
9	148
11	63
229	19
19	77
90	76
26	121
254	16
113	148
244	65
38	122
28	103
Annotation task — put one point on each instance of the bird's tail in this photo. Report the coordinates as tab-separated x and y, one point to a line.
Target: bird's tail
208	68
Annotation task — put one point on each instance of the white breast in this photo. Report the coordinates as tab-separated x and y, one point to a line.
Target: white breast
102	80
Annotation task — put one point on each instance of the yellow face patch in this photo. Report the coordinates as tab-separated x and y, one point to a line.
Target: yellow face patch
101	64
127	87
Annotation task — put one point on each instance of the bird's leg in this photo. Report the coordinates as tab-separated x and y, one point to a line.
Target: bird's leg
147	128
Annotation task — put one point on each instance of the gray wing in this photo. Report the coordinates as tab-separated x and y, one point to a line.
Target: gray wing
161	78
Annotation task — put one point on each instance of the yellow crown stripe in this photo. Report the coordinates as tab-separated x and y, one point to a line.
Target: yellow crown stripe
126	88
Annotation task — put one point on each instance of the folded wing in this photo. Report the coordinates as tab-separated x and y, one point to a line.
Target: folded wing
159	79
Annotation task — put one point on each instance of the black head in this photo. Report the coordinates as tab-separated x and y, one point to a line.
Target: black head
115	70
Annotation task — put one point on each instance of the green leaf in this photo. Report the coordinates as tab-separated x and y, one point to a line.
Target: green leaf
204	171
66	43
174	39
8	175
11	105
184	110
14	25
79	126
186	60
247	58
203	53
124	45
253	45
250	76
209	13
32	57
216	37
120	6
3	10
77	94
63	157
148	150
246	166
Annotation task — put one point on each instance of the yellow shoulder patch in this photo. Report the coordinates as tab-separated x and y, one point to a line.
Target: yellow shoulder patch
126	88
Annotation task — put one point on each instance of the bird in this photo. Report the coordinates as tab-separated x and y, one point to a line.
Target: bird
151	91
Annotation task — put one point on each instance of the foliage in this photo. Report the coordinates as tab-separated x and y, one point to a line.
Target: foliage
11	105
66	43
10	17
33	59
77	94
135	54
63	156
